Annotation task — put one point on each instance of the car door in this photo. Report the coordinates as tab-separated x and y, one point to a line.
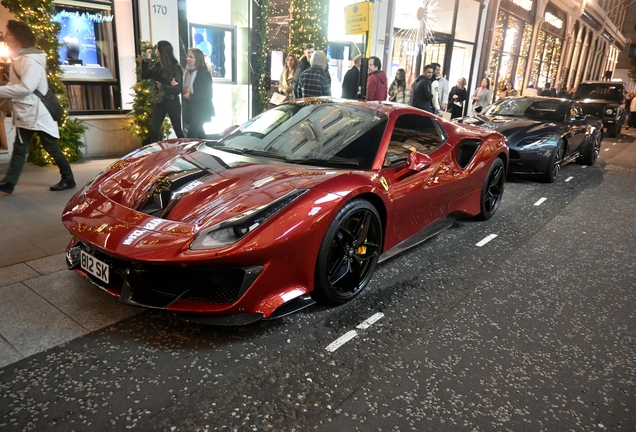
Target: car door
419	197
576	127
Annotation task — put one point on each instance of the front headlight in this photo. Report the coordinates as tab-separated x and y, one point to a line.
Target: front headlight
527	142
232	230
610	111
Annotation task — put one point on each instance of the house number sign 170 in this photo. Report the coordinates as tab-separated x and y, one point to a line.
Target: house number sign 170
160	9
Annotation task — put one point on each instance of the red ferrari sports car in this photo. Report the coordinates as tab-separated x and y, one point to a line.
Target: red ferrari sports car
295	206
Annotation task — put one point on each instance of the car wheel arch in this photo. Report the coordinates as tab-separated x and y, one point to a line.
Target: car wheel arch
377	202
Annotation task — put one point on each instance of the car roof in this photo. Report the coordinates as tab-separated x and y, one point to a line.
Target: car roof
604	83
384	107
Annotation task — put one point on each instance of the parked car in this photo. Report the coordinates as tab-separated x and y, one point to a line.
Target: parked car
298	204
543	133
605	100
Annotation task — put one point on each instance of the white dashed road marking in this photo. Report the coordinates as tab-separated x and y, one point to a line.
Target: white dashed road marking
486	240
341	340
368	322
541	201
568	179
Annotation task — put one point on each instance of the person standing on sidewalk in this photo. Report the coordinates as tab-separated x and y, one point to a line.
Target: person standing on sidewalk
30	116
632	113
628	109
167	77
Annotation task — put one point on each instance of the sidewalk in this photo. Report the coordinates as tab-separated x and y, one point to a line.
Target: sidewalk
42	304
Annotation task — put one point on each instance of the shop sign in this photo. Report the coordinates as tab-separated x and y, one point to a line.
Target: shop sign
358	17
553	20
525	4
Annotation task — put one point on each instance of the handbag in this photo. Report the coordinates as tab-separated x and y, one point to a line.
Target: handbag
49	100
51	103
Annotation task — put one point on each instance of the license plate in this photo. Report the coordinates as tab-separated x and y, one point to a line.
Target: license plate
97	268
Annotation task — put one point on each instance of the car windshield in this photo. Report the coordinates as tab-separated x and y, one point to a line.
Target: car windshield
315	133
549	110
610	92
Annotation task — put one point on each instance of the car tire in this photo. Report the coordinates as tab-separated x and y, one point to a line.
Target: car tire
348	254
554	165
492	191
594	149
614	130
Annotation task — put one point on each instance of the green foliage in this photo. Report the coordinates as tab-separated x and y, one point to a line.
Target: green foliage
141	112
308	24
37	14
260	51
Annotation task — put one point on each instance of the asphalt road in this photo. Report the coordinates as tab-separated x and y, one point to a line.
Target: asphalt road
534	330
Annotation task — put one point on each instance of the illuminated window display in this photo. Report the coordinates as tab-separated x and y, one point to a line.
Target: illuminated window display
549	47
87	54
510	47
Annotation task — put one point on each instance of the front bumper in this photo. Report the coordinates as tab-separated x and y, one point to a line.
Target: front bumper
529	161
168	287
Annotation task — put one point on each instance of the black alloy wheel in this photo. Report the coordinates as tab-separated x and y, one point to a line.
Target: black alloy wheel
554	166
493	189
594	150
348	254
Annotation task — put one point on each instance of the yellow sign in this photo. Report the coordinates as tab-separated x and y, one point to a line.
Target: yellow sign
358	18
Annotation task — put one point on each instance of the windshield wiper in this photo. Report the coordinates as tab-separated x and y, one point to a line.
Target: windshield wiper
252	152
324	162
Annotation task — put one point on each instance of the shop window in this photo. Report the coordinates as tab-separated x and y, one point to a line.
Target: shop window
632	51
87	54
467	19
218	44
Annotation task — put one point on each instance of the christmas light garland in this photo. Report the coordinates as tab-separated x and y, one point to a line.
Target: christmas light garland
308	24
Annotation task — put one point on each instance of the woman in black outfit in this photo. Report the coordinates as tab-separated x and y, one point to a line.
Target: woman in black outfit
456	98
197	93
168	83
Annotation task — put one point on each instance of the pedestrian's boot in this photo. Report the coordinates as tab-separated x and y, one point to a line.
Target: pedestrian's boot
6	187
63	185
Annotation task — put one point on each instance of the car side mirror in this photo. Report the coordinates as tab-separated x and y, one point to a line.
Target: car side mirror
419	161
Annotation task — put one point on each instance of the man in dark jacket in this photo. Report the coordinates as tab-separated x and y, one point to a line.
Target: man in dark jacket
350	82
377	89
303	65
422	95
313	82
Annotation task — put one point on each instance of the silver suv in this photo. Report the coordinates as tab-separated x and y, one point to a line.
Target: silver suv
605	100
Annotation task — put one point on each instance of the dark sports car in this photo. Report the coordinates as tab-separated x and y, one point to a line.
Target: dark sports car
299	204
543	133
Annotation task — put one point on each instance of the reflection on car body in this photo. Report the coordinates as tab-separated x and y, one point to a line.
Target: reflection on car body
543	133
297	205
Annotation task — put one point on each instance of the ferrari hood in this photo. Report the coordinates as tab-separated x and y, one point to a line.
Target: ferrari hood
202	187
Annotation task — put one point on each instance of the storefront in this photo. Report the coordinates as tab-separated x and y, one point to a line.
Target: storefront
221	35
511	44
450	40
549	47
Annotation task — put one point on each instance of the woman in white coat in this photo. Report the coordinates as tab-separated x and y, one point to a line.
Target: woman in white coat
30	116
482	96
